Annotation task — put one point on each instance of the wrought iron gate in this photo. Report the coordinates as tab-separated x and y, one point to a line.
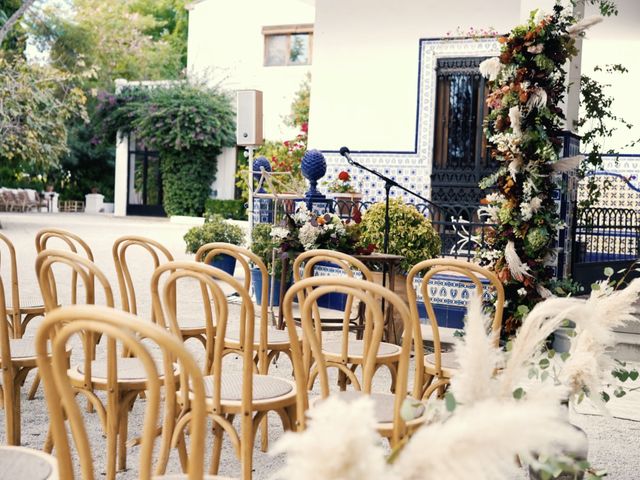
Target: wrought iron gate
604	237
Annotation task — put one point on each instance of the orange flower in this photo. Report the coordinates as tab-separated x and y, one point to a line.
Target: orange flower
321	220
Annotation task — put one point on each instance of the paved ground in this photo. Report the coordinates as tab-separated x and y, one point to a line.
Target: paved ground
613	443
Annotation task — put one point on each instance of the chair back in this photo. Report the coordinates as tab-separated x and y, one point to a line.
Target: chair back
245	258
125	329
83	271
13	271
466	270
159	254
165	305
308	291
47	236
5	347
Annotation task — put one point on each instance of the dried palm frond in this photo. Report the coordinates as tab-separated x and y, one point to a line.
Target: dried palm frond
483	440
477	357
340	443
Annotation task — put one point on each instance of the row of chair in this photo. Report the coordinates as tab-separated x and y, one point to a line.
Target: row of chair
20	200
249	394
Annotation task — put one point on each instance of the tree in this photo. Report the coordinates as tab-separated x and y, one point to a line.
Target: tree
36	102
11	11
112	38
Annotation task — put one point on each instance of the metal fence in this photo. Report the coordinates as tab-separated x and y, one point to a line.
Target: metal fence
607	234
459	226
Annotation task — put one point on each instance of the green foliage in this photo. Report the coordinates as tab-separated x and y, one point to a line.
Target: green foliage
411	234
117	39
262	244
597	123
37	102
234	209
187	124
216	229
299	115
16	41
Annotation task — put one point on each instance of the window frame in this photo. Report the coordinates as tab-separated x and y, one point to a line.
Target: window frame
288	31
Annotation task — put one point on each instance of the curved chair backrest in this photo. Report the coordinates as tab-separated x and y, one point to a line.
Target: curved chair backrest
5	348
165	310
120	328
72	241
13	268
159	254
81	268
244	257
307	261
467	270
370	294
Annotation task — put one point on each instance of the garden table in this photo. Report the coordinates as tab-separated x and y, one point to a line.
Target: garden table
389	264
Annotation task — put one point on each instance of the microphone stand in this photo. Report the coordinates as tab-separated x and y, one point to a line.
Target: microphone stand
388	184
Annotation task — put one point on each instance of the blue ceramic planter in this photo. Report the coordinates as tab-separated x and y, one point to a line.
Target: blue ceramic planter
256	281
225	263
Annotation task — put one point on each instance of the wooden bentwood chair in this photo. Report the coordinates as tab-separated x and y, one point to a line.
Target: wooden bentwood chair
126	330
346	350
17	359
20	309
388	406
94	373
228	394
441	366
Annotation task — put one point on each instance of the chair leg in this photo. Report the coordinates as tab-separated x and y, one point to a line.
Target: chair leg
264	434
12	415
48	443
246	447
216	449
34	386
123	431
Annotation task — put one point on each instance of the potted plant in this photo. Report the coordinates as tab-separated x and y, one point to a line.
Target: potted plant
216	229
263	245
411	235
342	190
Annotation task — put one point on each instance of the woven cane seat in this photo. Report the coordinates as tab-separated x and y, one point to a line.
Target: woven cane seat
186	477
192	323
26	301
274	336
17	463
448	360
356	348
264	387
128	369
383	404
23	348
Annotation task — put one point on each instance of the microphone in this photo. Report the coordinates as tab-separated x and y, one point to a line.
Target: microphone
345	152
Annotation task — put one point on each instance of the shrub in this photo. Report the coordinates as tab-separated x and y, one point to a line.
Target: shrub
187	124
234	209
262	244
411	234
217	229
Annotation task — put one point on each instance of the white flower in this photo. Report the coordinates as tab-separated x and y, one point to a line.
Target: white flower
308	235
525	211
522	292
536	203
490	68
302	215
539	16
279	233
537	98
538	48
515	117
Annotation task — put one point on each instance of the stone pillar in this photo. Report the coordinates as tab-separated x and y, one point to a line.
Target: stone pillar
121	176
94	203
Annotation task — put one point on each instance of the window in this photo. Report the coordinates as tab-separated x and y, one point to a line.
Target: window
287	45
460	154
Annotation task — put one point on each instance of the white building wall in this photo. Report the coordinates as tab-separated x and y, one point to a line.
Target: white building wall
226	47
365	66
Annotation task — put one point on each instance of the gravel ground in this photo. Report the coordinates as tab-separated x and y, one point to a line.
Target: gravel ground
613	443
